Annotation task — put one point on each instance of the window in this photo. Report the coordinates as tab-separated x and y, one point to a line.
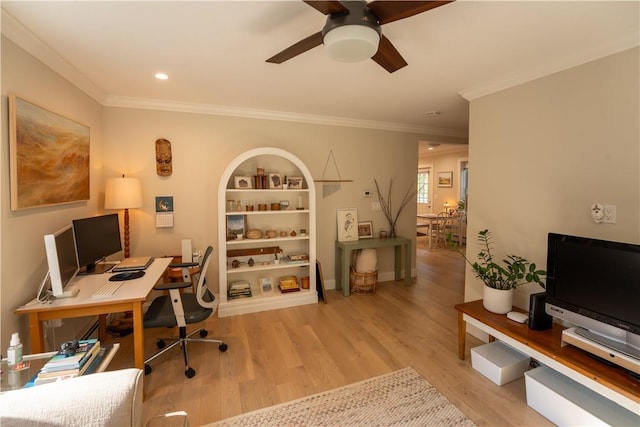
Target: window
423	186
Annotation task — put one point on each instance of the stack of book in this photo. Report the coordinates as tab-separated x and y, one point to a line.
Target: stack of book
288	284
239	289
296	259
62	367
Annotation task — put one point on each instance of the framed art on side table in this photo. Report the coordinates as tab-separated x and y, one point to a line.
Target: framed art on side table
365	229
347	222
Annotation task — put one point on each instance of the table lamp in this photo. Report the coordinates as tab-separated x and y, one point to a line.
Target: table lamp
123	193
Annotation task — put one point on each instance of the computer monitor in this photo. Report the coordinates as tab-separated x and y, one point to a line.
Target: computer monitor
61	258
96	238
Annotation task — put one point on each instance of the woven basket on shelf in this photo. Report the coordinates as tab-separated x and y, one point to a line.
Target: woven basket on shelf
363	283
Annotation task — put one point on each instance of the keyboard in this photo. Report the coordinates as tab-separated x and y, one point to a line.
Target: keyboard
107	290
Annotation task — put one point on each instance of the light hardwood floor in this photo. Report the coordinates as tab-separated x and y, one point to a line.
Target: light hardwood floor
280	355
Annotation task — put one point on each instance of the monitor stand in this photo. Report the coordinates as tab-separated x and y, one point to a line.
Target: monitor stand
100	268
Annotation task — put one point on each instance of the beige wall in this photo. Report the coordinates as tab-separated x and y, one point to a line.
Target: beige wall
203	146
541	153
23	257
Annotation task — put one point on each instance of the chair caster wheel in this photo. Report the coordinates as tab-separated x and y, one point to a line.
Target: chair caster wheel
190	372
147	369
160	343
204	333
223	347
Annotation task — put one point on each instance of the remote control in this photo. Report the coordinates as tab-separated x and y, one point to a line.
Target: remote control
516	316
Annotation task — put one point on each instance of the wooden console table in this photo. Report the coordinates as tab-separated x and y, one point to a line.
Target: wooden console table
345	249
612	382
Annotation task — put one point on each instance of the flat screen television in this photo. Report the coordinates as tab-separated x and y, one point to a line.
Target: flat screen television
61	259
595	285
96	238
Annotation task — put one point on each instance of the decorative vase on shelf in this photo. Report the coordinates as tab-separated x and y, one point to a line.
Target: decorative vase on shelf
499	301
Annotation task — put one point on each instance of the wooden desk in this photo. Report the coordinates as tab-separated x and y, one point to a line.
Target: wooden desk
344	251
129	297
611	382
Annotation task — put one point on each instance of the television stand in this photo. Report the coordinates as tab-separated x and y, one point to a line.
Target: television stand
606	350
612	382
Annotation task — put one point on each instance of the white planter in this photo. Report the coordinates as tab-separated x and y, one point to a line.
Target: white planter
497	301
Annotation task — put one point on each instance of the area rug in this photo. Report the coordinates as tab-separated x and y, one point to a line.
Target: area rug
401	398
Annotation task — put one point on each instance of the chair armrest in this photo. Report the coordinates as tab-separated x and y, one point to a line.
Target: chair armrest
172	285
111	398
183	264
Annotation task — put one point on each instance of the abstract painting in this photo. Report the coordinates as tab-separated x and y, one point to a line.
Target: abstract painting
49	157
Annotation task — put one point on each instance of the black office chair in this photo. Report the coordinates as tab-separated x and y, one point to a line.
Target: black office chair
182	309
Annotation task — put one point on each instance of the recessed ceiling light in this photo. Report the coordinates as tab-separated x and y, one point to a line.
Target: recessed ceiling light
161	76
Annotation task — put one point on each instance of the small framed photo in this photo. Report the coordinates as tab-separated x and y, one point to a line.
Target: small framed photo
266	285
275	181
445	179
347	220
235	226
242	182
365	229
295	182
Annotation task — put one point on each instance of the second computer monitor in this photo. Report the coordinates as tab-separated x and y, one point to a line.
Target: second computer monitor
96	238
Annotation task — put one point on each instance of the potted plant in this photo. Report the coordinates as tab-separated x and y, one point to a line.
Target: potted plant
500	280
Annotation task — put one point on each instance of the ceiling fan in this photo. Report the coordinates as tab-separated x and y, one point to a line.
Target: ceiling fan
353	30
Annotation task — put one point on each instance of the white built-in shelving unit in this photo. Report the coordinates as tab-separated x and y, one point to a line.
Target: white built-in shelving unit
300	215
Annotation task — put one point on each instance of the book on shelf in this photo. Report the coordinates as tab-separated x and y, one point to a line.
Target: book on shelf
239	285
288	284
60	362
239	294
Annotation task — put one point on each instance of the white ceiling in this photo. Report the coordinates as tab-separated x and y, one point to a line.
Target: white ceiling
215	52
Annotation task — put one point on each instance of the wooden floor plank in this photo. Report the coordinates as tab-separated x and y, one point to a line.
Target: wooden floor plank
286	354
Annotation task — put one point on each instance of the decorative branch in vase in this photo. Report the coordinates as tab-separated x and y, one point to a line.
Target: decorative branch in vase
387	207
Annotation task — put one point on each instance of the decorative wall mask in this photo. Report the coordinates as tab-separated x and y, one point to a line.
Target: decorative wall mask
163	157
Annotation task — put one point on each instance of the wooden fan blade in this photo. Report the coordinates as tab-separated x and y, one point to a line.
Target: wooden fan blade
389	11
388	56
297	48
327	7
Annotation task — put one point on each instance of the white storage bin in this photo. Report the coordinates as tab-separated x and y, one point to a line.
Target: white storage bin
499	362
566	403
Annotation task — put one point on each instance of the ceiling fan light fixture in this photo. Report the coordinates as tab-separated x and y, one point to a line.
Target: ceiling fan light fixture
351	43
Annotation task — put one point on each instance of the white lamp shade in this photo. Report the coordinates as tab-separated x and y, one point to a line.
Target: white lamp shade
351	43
123	193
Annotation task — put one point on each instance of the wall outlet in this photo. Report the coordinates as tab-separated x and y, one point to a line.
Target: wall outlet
609	214
366	193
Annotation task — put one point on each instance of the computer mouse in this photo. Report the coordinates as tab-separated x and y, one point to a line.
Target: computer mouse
128	275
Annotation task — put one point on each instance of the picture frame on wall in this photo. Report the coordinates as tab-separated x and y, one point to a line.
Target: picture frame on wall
445	179
347	223
275	181
242	182
365	229
45	150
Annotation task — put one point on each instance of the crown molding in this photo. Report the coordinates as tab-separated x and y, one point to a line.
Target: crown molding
15	31
579	58
251	113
